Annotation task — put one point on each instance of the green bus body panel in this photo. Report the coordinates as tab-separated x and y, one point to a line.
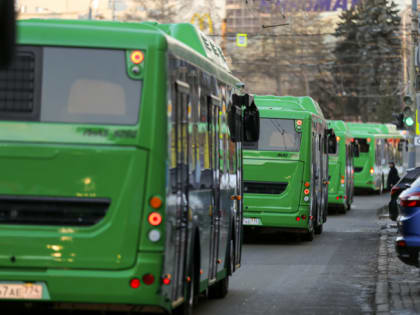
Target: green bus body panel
373	132
265	170
95	264
43	172
292	168
366	160
337	163
289	103
100	286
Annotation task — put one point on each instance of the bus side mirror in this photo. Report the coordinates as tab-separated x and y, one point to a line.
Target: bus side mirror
244	125
332	141
7	32
234	119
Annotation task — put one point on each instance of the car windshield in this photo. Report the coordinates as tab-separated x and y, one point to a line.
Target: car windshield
411	176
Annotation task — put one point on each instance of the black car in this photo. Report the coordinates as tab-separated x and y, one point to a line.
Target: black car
404	183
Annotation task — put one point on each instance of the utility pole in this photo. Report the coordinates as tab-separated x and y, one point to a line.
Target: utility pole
113	9
414	40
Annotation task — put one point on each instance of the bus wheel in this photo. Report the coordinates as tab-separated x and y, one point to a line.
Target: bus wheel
220	289
309	236
319	228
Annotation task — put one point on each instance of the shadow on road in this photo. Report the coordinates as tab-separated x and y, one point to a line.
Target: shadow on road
271	237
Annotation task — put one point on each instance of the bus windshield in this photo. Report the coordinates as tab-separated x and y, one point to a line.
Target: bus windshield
70	85
363	145
276	135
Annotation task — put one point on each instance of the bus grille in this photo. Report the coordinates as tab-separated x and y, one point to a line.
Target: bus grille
52	211
358	169
17	85
264	188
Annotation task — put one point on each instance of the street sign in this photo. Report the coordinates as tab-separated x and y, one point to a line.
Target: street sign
241	40
417	141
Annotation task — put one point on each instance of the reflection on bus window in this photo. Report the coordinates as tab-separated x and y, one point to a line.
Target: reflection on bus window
363	145
276	135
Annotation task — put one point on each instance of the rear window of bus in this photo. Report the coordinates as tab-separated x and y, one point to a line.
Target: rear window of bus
74	85
363	145
276	135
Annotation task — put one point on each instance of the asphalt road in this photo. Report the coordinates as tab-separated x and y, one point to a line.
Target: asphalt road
334	274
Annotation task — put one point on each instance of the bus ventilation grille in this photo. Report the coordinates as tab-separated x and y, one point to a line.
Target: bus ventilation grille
358	169
17	85
52	211
264	188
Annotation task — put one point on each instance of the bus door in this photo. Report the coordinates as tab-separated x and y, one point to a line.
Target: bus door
318	176
314	175
182	144
213	105
239	213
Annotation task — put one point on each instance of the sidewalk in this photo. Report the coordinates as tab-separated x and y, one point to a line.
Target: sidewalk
398	285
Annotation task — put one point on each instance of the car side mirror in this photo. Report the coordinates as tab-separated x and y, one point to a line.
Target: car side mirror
7	32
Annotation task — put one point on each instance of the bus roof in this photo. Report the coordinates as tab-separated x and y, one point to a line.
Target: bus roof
126	35
289	103
340	127
367	129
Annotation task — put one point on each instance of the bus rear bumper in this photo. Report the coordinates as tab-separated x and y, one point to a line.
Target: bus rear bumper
297	221
94	289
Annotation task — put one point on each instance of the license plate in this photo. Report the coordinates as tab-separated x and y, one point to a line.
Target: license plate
27	291
252	221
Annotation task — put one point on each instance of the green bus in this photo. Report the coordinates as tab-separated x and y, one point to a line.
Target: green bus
121	180
286	171
341	168
379	144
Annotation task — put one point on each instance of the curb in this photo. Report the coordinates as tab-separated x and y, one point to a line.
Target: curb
382	290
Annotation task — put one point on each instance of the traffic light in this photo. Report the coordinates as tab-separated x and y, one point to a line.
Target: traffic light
408	117
399	120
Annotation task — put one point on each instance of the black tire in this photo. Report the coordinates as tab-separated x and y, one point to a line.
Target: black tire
318	229
342	209
309	236
220	289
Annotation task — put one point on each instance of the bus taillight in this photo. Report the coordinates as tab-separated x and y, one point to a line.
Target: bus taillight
342	180
372	171
148	279
155	202
155	218
135	283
